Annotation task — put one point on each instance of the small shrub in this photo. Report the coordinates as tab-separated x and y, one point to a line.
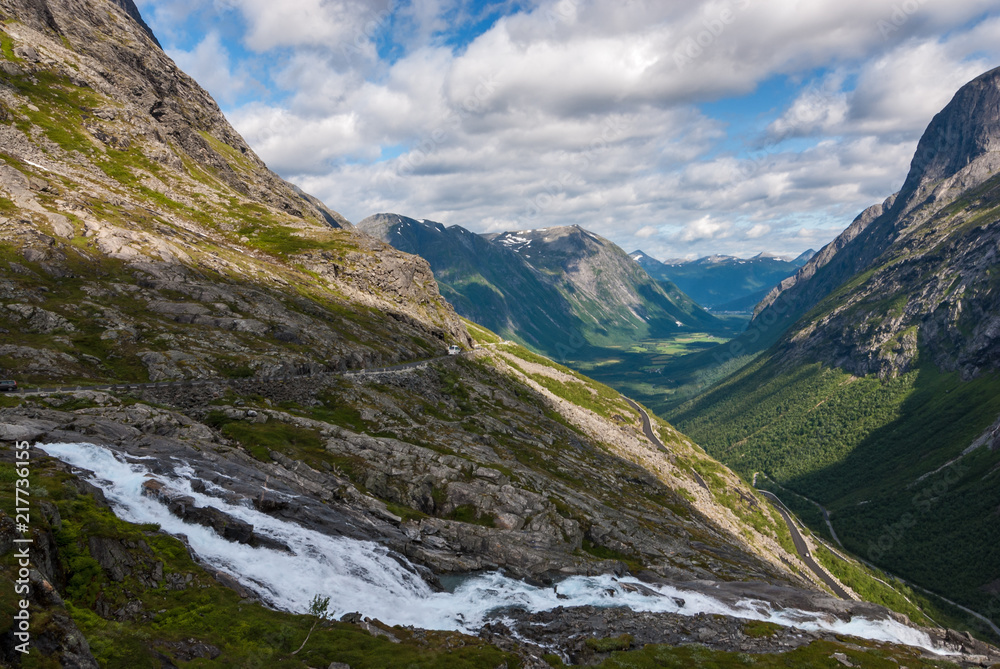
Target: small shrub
611	644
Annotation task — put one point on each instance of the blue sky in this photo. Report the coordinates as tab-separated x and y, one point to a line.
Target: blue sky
683	128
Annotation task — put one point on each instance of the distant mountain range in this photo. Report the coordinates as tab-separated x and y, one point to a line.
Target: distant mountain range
724	283
560	290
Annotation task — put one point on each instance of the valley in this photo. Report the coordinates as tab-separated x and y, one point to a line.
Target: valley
258	435
878	400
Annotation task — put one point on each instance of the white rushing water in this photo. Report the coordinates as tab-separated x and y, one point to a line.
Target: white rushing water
362	576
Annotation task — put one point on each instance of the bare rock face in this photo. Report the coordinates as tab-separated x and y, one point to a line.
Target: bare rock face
912	274
133	12
967	129
826	255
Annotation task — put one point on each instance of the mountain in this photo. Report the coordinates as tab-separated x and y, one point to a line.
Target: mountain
724	283
601	281
559	290
486	282
878	398
245	444
132	209
803	257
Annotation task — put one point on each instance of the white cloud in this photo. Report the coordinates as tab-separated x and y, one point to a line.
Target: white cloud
705	228
210	65
579	112
332	24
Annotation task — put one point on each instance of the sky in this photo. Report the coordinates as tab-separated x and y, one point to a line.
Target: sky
680	127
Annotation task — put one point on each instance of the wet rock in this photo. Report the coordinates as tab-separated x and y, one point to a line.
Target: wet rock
229	527
370	626
121	559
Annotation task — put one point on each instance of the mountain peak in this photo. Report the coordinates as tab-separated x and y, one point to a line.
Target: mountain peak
804	257
966	129
129	8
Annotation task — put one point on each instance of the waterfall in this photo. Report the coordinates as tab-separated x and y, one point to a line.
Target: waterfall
363	576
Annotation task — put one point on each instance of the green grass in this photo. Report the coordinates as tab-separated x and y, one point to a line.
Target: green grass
260	439
59	104
759	629
871	588
284	241
7	46
582	391
859	447
818	654
609	644
236	160
467	513
640	370
480	334
7	207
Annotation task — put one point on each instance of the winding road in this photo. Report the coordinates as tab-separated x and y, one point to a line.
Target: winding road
803	550
833	533
647	426
800	543
225	382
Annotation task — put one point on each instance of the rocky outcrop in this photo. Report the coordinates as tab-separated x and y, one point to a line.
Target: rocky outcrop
587	635
912	274
966	131
224	524
476	498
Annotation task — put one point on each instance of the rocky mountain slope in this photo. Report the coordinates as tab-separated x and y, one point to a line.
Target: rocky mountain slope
469	464
559	290
724	283
878	399
488	283
620	301
142	241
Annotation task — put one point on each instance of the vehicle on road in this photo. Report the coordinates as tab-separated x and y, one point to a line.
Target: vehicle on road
454	350
8	386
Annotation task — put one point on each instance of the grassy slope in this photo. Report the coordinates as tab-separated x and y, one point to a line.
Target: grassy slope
252	246
693	465
858	447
